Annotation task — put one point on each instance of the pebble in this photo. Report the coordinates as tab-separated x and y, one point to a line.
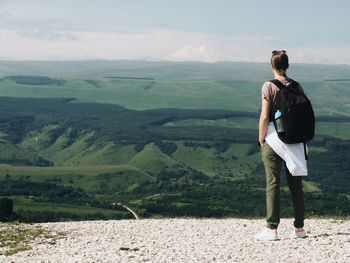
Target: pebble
189	240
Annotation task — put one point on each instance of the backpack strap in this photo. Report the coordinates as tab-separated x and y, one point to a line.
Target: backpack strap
278	83
305	151
293	87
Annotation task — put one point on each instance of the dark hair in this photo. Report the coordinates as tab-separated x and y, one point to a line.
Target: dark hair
279	61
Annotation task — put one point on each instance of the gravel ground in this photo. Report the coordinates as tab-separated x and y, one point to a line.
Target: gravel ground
189	240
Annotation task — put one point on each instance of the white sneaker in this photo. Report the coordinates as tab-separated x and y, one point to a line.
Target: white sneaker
267	234
299	233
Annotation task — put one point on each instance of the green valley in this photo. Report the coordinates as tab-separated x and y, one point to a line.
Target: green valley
166	139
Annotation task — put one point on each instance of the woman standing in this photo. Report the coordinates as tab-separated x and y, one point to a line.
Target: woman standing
272	161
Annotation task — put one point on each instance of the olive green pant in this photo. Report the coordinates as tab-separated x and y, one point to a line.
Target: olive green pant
273	165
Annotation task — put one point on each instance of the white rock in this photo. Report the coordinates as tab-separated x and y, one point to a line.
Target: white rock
189	240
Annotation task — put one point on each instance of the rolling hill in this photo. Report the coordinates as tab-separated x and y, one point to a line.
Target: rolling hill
168	139
144	85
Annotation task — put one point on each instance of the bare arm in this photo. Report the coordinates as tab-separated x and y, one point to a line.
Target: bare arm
264	120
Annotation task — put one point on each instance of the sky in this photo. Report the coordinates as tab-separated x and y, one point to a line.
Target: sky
176	30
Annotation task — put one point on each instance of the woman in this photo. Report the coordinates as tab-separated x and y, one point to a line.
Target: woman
273	162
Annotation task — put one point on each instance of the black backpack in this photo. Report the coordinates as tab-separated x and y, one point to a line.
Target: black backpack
297	113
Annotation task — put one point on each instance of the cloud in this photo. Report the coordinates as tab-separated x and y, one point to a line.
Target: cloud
43	29
54	39
4	14
4	2
338	54
51	43
194	53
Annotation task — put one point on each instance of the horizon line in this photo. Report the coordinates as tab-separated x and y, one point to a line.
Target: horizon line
164	61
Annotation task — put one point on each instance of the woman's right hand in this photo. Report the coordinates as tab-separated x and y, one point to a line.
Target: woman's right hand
261	142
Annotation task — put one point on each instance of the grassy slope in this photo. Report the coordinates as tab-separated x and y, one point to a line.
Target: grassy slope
24	203
135	94
233	163
153	161
327	97
80	152
95	178
234	86
336	129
